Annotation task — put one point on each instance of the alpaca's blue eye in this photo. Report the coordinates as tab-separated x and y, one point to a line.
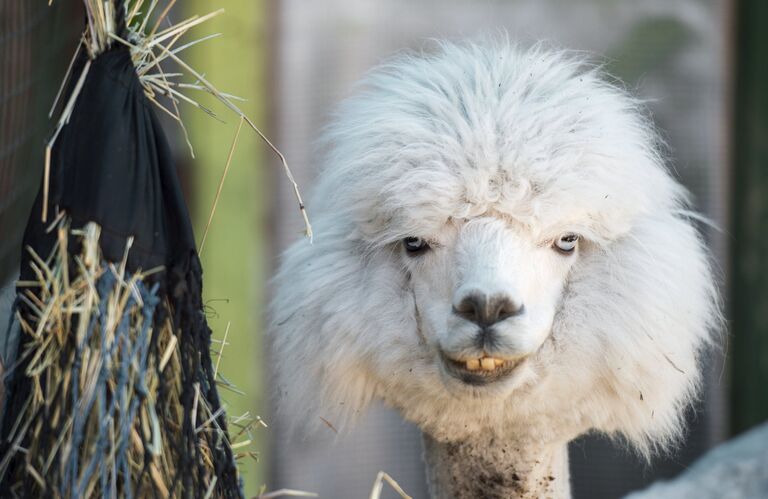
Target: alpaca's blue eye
566	243
415	245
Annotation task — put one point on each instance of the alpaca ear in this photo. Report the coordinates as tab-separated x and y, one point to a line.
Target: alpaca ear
639	313
317	321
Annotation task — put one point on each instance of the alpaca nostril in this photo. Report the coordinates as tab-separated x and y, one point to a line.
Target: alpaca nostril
504	308
485	311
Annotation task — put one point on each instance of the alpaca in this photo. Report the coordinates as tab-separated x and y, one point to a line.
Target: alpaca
502	256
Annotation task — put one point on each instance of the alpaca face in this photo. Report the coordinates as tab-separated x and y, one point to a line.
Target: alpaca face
498	245
486	290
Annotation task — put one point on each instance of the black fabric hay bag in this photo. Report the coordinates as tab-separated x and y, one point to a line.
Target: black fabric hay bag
113	392
113	166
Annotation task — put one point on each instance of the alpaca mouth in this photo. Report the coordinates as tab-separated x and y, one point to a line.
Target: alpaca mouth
480	370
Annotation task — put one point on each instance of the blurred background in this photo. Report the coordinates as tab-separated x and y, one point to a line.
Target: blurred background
699	63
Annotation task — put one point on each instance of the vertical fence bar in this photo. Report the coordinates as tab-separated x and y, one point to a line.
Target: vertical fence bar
749	285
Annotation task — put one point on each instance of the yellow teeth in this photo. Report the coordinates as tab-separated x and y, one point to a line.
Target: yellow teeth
485	363
488	363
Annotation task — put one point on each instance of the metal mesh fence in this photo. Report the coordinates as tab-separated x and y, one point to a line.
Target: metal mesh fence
36	43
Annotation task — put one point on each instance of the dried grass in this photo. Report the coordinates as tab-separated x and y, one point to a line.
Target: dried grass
378	486
87	334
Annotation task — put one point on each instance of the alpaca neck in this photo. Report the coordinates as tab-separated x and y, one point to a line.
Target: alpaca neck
492	467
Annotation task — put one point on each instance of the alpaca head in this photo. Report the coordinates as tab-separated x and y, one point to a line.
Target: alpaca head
499	247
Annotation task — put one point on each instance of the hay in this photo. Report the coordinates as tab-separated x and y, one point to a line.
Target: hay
104	411
378	486
113	390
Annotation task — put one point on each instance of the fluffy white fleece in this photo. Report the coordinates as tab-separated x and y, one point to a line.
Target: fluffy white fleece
531	143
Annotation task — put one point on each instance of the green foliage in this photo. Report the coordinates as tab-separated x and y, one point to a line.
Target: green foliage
232	257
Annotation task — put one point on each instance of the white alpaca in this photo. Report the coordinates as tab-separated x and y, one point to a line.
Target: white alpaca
502	256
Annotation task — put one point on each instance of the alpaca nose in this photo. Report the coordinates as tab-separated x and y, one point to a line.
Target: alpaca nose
485	311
